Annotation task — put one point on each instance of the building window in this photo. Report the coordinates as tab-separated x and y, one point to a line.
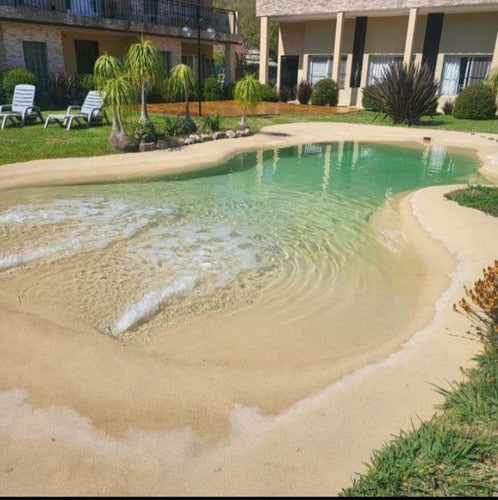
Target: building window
320	67
377	65
87	52
190	61
35	60
167	60
460	71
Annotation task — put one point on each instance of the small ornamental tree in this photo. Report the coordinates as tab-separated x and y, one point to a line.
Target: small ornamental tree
247	93
145	65
183	83
405	92
111	78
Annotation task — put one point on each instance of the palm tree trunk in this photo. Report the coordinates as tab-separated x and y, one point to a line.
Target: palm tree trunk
144	117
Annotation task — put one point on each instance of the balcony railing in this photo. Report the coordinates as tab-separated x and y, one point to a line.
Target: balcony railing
163	12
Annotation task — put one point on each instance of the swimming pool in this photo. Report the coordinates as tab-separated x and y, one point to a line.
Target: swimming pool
278	227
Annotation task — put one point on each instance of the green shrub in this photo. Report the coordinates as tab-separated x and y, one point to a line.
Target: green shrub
143	132
475	102
285	94
448	106
406	92
211	123
61	89
268	94
366	100
211	89
228	91
325	93
13	77
84	83
303	91
172	125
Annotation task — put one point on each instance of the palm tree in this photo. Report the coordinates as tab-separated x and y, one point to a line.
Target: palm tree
111	78
145	65
247	93
183	83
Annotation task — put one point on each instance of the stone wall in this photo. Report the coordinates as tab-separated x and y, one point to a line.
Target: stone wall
13	34
307	7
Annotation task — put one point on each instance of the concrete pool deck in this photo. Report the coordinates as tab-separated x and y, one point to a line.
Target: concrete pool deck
313	447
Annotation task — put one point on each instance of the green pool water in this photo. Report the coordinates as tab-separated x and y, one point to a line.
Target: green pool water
128	255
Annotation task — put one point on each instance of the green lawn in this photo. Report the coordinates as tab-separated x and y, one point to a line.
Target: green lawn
480	197
34	142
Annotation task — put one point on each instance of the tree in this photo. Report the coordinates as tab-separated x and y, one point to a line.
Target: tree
145	65
249	24
110	77
183	83
247	93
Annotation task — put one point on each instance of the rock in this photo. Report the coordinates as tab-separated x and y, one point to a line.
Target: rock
195	137
231	134
247	132
162	144
239	133
146	146
188	141
219	135
206	137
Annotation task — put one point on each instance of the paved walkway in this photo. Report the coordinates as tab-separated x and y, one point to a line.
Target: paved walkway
230	108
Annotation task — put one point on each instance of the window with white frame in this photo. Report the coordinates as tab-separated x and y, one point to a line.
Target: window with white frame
320	67
377	65
460	71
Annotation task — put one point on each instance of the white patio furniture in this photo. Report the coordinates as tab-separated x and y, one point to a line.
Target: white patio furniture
90	111
22	107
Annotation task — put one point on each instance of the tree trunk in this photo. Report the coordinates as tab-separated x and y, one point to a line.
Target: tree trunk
144	117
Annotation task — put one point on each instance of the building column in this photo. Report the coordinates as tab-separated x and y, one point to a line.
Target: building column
494	61
336	62
410	35
264	50
280	53
230	63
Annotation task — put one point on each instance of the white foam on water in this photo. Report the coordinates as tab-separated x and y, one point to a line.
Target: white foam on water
188	258
14	260
77	225
150	302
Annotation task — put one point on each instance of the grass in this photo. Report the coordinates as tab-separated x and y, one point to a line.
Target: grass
34	142
454	454
480	197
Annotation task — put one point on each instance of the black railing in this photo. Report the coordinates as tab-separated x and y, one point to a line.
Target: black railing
163	12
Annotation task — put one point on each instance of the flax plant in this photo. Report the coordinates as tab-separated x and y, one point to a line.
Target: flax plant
405	93
145	65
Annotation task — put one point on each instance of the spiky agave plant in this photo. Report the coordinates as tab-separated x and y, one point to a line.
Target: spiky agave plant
247	93
405	92
183	83
111	78
145	65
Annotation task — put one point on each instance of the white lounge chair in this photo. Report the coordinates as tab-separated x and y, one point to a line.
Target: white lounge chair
22	107
90	111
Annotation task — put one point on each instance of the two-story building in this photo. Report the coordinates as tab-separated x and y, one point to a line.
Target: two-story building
352	41
51	36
